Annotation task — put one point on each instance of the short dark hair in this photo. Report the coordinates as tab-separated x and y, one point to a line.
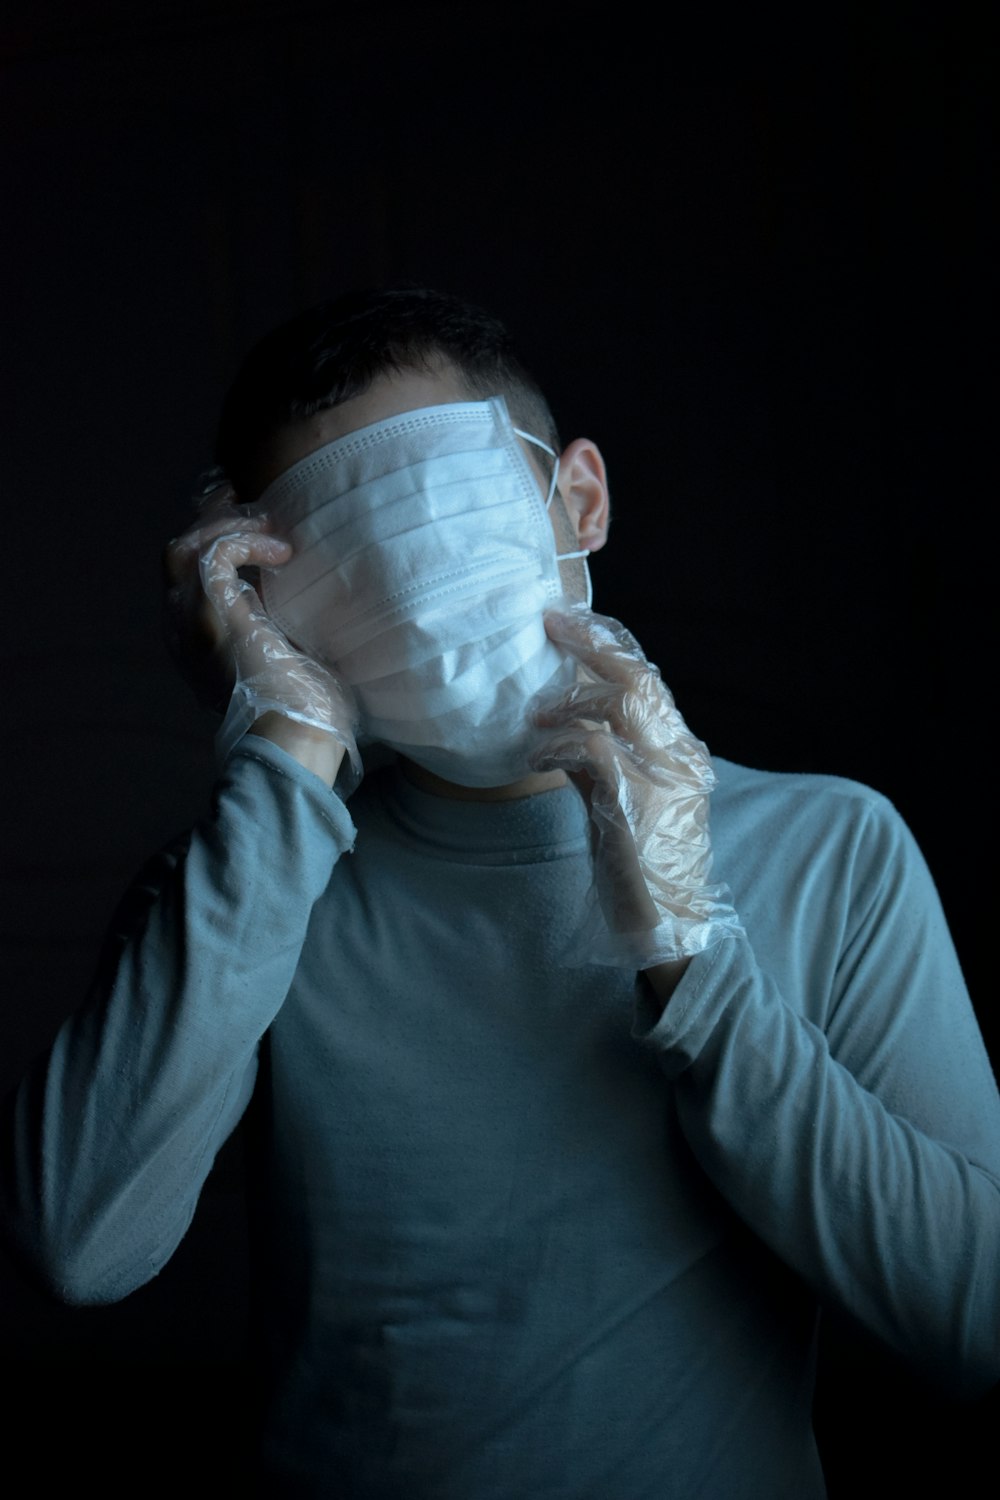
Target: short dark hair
335	350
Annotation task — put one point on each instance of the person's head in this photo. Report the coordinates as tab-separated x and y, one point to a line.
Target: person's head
462	583
337	350
371	354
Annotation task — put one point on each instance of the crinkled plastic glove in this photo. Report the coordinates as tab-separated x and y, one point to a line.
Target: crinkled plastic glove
646	780
223	637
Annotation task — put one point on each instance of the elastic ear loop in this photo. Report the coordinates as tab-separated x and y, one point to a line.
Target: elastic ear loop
560	556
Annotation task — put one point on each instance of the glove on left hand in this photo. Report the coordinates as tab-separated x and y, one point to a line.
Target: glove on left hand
646	780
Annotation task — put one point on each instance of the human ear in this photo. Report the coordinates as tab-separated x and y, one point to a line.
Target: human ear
583	486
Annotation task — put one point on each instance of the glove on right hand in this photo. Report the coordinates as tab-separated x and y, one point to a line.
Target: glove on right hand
224	640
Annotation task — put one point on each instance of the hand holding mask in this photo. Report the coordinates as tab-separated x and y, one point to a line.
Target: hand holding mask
220	632
646	780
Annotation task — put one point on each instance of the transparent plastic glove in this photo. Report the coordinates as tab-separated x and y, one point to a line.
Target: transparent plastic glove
646	780
223	639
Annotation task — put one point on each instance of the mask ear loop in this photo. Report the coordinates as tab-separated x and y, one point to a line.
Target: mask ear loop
560	556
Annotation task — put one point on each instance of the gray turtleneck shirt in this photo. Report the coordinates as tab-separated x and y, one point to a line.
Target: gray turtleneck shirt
518	1233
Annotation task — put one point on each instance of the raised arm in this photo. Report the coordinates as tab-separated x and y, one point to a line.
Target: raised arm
109	1139
863	1146
836	1090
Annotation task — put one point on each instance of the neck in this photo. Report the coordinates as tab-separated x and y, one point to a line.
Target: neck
527	786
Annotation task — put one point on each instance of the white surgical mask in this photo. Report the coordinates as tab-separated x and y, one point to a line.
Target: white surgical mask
424	559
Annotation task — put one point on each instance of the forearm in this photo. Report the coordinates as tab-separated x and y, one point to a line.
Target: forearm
898	1227
112	1134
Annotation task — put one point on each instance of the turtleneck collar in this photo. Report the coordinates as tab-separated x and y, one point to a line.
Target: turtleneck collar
527	830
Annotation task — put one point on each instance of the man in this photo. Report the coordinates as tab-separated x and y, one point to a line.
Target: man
558	1146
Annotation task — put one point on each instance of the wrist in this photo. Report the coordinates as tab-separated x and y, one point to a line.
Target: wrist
315	749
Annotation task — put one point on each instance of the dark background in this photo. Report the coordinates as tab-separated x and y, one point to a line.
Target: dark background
750	259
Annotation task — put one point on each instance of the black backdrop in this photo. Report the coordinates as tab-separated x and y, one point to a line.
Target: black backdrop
750	262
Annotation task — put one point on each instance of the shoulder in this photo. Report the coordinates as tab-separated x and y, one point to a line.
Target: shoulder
801	801
805	824
745	786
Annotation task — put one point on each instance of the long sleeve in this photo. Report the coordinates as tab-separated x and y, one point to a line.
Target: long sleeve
108	1140
855	1125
